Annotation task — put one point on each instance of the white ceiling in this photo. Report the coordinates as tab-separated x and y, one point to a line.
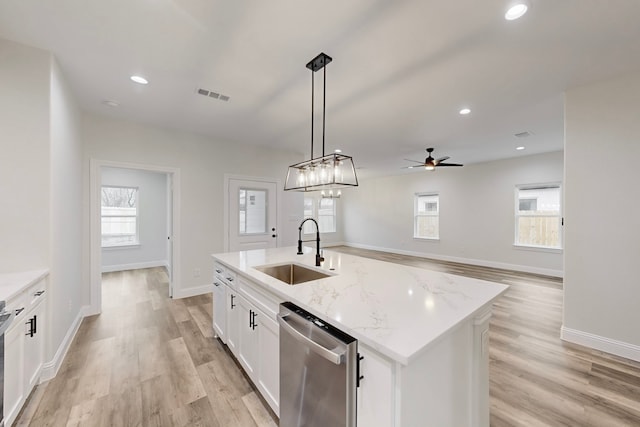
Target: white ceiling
401	70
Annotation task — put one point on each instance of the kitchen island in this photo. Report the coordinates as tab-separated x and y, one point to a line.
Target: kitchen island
423	334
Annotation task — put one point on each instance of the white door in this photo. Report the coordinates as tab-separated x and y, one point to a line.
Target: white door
253	214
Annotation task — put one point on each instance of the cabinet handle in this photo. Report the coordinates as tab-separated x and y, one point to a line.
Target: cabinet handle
18	311
31	328
358	371
230	279
232	298
35	324
253	320
216	284
37	294
218	271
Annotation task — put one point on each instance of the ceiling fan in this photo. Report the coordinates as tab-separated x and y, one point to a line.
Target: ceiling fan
430	163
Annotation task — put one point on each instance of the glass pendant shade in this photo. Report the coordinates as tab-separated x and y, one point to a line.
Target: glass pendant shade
323	173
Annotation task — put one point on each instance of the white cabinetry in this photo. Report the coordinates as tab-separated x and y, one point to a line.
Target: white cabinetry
245	320
248	339
219	312
376	392
24	347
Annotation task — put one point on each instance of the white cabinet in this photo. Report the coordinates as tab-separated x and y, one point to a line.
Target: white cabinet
269	360
13	370
375	394
219	310
248	339
247	321
24	347
233	320
34	345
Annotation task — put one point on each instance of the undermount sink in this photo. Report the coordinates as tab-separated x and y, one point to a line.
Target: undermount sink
292	274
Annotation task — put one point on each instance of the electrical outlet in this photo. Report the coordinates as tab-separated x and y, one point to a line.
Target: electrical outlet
196	272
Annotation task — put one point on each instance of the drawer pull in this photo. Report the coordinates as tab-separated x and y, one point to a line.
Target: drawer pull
230	279
18	311
37	294
218	271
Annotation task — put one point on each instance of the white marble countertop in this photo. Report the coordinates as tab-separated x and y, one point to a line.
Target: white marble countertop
396	309
12	284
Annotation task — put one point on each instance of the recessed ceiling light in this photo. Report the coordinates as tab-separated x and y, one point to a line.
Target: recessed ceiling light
520	147
516	10
337	150
111	103
139	79
465	111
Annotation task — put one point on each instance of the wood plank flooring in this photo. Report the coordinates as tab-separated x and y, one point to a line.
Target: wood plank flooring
148	360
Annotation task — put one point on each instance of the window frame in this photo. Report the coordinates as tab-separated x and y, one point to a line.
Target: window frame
416	214
307	228
559	216
136	242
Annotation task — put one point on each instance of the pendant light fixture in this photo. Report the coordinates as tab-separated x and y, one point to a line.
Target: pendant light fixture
330	171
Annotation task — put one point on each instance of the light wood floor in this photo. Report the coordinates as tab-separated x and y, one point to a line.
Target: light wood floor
147	360
151	361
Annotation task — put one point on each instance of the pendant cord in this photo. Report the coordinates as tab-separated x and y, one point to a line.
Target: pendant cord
312	102
324	104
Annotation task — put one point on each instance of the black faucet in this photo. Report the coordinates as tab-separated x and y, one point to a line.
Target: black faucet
319	257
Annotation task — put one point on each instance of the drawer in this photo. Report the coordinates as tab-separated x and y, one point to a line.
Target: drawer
20	305
36	293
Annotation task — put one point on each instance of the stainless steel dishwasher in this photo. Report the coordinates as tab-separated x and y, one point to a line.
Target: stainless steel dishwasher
318	371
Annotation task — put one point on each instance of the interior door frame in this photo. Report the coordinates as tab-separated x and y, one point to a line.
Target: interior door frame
227	179
95	178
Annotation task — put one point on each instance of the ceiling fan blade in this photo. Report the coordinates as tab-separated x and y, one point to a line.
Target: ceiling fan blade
442	159
415	161
449	164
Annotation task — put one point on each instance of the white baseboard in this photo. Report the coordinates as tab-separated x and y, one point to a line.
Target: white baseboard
619	348
471	261
190	292
134	266
50	369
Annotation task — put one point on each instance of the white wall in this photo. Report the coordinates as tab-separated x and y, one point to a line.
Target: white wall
476	213
40	181
202	163
602	236
65	284
24	162
152	220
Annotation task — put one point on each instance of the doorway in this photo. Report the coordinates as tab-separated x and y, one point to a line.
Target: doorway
251	213
171	234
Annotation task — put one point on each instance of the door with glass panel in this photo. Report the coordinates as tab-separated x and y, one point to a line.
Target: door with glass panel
252	214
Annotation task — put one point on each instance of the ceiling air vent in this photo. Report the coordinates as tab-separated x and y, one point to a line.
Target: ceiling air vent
212	94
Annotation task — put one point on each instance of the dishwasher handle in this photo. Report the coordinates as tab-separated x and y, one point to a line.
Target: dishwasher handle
328	354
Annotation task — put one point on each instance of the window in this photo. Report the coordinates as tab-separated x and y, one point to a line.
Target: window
252	208
119	216
426	223
323	211
538	217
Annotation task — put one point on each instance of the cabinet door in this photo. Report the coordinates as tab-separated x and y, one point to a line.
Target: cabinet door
220	310
34	346
233	321
375	395
13	371
248	339
269	360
